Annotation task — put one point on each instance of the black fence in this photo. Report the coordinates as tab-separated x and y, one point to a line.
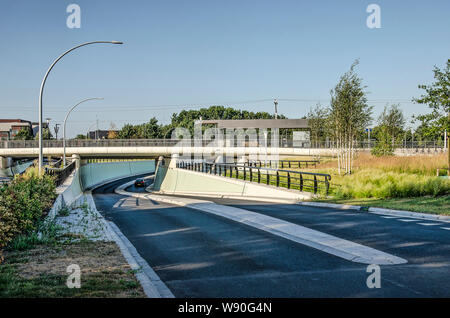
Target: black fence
61	174
282	163
302	181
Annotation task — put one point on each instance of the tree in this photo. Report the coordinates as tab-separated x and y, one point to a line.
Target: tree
80	136
349	115
24	134
437	96
128	132
46	134
390	127
318	123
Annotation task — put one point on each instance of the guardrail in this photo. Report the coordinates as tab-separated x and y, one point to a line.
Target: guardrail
61	174
314	182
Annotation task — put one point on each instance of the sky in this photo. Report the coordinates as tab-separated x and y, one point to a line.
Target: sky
188	54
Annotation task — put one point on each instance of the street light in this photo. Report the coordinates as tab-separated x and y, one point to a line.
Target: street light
42	91
64	125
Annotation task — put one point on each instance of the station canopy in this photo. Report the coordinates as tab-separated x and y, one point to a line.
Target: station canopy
258	123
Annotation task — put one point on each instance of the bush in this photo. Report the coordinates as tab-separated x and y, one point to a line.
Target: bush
376	184
23	202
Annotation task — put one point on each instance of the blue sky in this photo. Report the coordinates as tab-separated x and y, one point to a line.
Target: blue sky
199	53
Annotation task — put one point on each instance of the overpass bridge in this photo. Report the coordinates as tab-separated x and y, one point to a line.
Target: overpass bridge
152	148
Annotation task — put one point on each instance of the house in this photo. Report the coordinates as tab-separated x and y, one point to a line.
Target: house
9	128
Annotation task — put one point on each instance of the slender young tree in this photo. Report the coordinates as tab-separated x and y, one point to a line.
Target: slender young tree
437	97
349	114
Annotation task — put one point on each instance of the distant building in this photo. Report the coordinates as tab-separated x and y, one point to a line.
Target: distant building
9	128
101	134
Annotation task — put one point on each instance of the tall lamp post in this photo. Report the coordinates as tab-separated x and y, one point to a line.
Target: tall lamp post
42	91
64	125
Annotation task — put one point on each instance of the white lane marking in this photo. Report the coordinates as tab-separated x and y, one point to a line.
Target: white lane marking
408	220
390	217
324	242
446	228
430	224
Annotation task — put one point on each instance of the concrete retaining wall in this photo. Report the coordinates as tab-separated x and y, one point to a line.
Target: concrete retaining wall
17	169
90	175
97	173
180	181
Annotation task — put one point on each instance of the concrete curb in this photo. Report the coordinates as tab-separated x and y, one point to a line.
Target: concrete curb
324	242
380	211
153	286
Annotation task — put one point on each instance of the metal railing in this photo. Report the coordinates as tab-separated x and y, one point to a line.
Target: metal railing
302	181
282	163
61	174
419	146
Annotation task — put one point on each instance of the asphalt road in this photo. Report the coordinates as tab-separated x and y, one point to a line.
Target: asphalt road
201	255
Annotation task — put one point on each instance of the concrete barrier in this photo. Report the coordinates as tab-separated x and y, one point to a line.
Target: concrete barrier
93	174
179	181
16	169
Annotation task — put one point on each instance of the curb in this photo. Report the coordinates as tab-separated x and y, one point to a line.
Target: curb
380	211
153	286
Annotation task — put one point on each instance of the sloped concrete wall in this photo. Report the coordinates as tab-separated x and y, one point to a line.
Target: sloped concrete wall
71	192
180	181
96	173
17	169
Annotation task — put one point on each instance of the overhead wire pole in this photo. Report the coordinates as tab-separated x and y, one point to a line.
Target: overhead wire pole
41	157
64	125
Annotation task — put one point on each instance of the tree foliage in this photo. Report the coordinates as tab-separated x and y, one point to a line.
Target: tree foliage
349	115
437	97
24	134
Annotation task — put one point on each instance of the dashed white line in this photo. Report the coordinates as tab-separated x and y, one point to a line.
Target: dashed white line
390	217
429	224
446	228
408	220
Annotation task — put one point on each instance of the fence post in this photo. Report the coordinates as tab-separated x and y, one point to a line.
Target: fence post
278	179
267	177
251	174
245	173
259	175
289	180
301	182
327	185
237	172
315	184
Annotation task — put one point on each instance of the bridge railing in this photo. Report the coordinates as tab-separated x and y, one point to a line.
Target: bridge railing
61	174
419	146
302	181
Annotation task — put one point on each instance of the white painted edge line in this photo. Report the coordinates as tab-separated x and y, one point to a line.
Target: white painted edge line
153	286
324	242
380	211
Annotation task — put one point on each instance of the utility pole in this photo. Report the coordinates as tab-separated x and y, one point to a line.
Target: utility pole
275	101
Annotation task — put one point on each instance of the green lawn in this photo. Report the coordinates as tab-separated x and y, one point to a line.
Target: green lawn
434	205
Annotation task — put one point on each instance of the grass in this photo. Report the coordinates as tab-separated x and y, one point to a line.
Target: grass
428	204
396	182
41	271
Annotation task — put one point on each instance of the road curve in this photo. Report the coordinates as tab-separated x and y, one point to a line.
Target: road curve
202	255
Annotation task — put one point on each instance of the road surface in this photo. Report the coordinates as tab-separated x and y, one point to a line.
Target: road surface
201	255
